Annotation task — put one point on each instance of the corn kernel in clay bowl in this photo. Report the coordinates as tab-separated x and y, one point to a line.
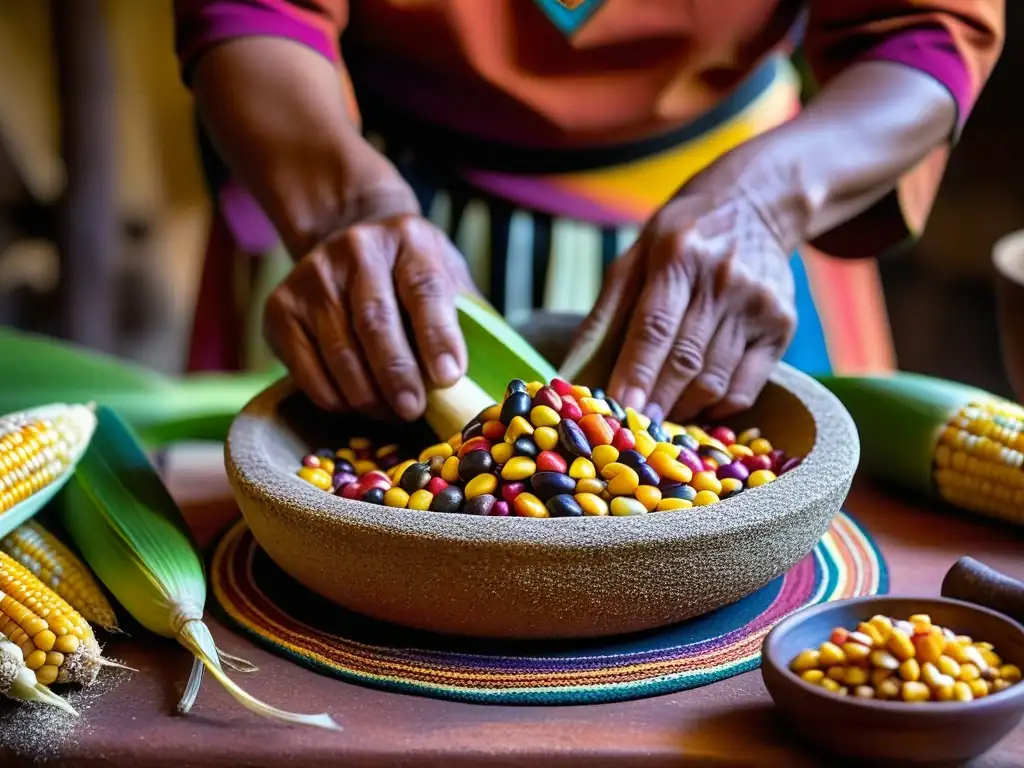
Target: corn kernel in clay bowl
902	693
513	576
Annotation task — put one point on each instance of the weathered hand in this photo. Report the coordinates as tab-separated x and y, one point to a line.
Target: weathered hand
711	298
337	323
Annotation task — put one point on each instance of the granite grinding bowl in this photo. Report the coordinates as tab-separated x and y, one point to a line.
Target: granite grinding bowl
530	578
886	732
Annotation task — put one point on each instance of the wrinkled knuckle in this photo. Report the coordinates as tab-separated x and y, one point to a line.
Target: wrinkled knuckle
656	329
372	315
686	358
643	375
712	384
426	285
435	336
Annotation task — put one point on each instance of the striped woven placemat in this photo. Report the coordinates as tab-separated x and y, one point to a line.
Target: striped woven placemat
273	609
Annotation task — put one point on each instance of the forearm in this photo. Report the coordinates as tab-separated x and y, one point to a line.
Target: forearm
844	152
279	119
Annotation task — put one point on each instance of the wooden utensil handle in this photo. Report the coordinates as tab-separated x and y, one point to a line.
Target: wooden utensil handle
977	583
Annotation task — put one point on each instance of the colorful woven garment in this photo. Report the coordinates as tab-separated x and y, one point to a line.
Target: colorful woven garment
275	611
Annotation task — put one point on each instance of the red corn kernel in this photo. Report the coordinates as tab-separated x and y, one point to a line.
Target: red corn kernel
561	386
724	435
509	491
570	409
624	440
494	431
549	461
754	463
475	444
436	485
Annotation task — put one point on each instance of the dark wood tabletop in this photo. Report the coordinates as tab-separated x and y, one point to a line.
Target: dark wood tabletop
132	721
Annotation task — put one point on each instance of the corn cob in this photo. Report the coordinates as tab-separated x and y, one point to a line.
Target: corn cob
979	457
56	642
37	447
59	568
19	682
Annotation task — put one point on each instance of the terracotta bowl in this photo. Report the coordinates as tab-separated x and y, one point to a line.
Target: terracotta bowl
528	578
1008	259
893	732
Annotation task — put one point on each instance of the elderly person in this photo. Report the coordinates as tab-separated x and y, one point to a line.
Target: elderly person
640	159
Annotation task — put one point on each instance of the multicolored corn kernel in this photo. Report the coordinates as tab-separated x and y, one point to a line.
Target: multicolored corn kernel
556	450
911	661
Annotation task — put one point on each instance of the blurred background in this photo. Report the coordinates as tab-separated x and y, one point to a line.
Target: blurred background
103	215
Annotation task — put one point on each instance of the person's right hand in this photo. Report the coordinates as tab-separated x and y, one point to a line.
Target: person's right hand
337	322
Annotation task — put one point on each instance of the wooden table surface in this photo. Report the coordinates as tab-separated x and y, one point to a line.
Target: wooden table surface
728	723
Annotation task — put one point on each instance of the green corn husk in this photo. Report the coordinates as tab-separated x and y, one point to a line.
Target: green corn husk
497	352
81	421
900	418
160	409
132	534
19	682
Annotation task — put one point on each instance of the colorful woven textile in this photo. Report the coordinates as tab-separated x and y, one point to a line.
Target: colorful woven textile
275	611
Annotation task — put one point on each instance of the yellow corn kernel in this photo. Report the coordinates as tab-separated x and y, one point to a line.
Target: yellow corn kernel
544	416
396	472
1000	685
910	670
396	497
946	692
603	455
962	691
669	505
593	505
362	466
1010	673
864	692
883	625
991	657
900	645
931	676
812	676
979	687
645	444
519	468
502	453
830	685
878	675
533	388
669	449
915	691
884	660
517	428
420	500
546	438
582	467
836	673
450	470
45	627
856	676
479	485
968	672
59	568
870	630
928	647
443	450
830	654
888	689
856	652
649	496
315	476
948	666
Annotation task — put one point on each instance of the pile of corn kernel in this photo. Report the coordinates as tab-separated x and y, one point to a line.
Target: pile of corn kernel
556	450
912	661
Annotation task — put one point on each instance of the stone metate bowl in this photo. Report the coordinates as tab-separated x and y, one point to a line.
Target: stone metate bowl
516	577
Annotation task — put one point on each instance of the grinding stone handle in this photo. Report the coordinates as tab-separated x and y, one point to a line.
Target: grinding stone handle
977	583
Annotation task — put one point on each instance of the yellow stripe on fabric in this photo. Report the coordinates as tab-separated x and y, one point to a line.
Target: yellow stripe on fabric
644	185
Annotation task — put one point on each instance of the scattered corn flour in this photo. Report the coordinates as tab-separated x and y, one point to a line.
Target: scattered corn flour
39	732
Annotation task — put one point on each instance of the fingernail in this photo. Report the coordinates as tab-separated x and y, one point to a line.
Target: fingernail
446	369
634	398
407	405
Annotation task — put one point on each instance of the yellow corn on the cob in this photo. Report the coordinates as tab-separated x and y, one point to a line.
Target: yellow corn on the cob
56	642
59	568
979	457
35	451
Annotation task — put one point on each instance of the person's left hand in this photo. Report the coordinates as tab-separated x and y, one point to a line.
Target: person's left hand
710	293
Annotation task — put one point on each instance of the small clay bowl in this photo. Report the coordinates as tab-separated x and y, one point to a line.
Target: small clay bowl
932	733
519	577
